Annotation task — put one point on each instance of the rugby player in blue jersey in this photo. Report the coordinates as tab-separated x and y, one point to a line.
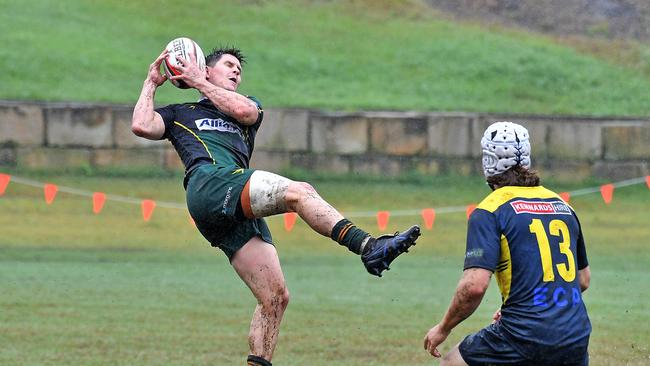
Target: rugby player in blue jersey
214	138
532	240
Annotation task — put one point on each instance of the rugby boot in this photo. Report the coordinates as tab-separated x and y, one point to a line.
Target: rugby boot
381	251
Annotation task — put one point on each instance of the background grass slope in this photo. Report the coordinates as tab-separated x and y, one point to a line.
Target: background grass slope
334	55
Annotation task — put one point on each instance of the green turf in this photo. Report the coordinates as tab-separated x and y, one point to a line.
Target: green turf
323	54
110	289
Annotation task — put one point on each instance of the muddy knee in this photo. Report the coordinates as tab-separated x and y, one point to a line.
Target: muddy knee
278	301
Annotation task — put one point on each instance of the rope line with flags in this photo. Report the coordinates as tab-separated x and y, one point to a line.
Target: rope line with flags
428	214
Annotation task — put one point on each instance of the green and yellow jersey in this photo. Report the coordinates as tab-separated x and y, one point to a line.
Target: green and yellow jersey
202	134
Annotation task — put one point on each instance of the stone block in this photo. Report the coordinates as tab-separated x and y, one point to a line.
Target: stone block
8	156
450	135
339	134
122	135
577	140
376	165
564	170
398	136
171	160
319	163
420	165
22	124
627	142
128	158
75	126
464	167
53	158
433	167
620	170
270	161
284	130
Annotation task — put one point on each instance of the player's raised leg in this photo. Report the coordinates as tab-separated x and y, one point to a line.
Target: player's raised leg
268	194
258	266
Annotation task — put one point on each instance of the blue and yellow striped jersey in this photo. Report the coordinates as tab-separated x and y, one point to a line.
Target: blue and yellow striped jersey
202	134
532	240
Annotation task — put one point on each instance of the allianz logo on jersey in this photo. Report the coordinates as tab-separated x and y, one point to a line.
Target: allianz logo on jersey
218	124
536	207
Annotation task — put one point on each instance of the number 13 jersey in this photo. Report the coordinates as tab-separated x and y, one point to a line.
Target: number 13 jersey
532	240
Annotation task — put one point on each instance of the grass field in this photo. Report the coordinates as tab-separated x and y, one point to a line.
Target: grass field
365	54
109	289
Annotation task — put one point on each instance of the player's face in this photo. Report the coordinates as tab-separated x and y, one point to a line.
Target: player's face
226	73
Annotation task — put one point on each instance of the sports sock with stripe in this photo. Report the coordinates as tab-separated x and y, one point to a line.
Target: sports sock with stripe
349	235
257	361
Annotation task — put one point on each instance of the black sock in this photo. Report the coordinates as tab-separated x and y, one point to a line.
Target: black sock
348	235
257	361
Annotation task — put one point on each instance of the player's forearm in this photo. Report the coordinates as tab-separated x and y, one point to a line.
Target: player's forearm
143	114
466	300
231	103
584	278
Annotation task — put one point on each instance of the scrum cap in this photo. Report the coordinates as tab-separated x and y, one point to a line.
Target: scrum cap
504	144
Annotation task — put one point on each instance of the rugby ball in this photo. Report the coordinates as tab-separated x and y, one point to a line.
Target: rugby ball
186	48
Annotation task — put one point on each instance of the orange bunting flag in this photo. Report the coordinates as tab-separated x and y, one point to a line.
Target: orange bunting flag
607	191
566	196
289	220
4	182
470	209
50	192
98	202
147	209
647	181
382	219
429	216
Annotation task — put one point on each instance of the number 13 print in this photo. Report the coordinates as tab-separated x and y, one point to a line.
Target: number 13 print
556	228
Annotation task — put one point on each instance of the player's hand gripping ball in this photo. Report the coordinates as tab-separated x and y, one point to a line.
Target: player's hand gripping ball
187	49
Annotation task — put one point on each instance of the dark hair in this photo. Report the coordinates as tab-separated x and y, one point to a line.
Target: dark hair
515	176
217	52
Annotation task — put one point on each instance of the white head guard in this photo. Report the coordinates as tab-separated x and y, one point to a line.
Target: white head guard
505	144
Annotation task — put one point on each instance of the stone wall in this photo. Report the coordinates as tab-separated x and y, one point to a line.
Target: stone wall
38	135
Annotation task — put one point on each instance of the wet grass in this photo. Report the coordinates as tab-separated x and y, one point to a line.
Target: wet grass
85	289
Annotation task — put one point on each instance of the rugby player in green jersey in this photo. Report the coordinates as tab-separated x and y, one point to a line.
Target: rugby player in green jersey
228	200
532	240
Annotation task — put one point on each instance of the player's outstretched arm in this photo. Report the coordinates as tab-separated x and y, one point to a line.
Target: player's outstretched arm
469	293
237	106
146	122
